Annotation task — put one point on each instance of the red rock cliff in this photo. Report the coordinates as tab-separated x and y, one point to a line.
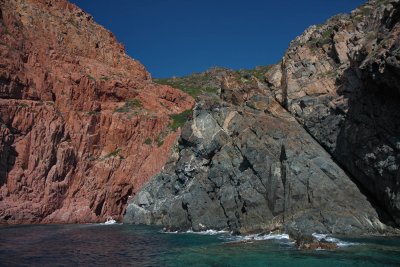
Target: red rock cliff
82	124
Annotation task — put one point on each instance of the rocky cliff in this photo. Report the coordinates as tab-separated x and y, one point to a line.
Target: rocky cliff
341	82
82	125
310	144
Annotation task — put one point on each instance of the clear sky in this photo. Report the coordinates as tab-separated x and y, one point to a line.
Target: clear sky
178	37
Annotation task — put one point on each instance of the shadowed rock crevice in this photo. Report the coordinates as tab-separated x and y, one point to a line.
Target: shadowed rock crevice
375	163
244	165
186	209
99	207
7	161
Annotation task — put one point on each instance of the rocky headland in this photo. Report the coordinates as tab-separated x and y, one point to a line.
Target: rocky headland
310	144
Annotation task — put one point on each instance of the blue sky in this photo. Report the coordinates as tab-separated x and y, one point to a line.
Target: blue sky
178	37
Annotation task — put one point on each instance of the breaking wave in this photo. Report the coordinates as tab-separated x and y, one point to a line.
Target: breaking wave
206	232
283	238
230	238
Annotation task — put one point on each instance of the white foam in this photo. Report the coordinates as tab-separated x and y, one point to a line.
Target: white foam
206	232
169	232
210	232
338	242
227	236
270	237
260	237
109	221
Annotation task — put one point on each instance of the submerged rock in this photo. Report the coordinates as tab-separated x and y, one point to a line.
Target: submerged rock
312	244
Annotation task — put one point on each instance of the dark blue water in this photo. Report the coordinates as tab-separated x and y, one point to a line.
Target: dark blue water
128	245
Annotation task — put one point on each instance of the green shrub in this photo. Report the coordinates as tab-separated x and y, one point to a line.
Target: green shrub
257	72
365	11
129	105
23	105
93	112
74	23
112	154
5	31
148	141
160	141
327	35
178	120
325	38
187	86
59	113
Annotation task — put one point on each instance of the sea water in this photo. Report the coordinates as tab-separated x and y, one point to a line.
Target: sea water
132	245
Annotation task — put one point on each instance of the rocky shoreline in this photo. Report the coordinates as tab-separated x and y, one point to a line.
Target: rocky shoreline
308	145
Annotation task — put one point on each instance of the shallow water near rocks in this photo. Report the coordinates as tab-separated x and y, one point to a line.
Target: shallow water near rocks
131	245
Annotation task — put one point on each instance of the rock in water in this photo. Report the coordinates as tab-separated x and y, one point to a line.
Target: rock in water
82	125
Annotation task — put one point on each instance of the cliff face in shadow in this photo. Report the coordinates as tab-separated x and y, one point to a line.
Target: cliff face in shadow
82	125
308	144
341	83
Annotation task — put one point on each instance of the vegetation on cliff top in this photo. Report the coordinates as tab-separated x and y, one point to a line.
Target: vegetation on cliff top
188	84
258	72
208	82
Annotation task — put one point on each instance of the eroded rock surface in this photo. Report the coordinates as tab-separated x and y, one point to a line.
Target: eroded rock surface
82	125
251	168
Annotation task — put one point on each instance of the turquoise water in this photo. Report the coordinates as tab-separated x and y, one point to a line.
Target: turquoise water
129	245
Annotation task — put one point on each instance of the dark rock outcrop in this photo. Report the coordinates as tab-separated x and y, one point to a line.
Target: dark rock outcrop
309	242
251	168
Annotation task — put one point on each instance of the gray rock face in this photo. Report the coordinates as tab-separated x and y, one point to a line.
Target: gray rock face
250	170
264	155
